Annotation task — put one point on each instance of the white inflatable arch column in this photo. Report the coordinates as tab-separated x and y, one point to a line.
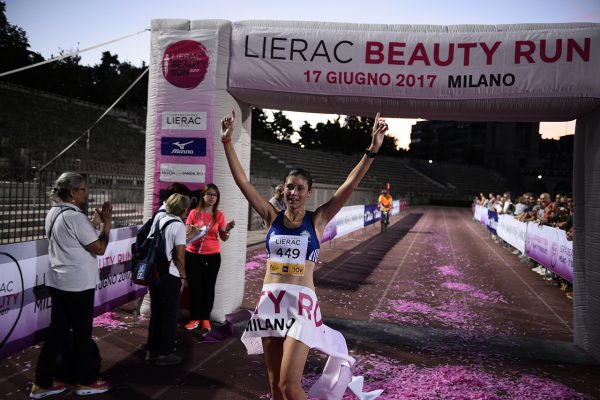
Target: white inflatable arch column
586	244
230	283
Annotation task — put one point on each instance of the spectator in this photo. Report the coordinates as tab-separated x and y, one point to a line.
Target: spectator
507	205
277	201
71	279
499	204
491	201
521	206
203	257
545	212
165	294
175	187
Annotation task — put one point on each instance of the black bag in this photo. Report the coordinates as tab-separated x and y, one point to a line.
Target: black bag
150	262
142	234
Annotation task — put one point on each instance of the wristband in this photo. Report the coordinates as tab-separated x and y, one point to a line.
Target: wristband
226	140
370	154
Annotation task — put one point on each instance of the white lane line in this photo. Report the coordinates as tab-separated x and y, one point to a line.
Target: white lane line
520	278
454	260
387	289
391	281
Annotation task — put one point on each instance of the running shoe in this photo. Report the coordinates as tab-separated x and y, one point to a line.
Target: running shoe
569	295
38	392
205	325
193	324
100	386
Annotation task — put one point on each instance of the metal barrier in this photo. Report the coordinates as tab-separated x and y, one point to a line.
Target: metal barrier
24	200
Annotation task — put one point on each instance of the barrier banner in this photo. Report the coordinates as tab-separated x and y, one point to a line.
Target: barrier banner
185	106
403	205
372	214
330	231
483	217
349	219
24	300
395	207
492	221
512	231
550	247
368	61
477	213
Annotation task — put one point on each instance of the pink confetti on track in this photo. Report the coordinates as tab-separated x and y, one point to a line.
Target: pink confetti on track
256	262
448	270
109	320
491	297
463	287
400	382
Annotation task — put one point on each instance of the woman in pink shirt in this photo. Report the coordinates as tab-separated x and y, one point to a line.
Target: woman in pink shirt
203	257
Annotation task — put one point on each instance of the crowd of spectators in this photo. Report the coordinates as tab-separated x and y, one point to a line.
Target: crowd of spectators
536	209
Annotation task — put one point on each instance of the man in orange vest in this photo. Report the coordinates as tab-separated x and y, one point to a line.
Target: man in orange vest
384	203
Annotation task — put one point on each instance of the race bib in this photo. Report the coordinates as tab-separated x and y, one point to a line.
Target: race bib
287	254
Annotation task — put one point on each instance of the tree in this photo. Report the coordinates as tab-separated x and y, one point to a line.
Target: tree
282	126
389	146
308	136
261	128
14	49
331	135
359	134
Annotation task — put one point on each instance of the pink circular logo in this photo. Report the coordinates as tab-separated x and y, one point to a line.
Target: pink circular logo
185	63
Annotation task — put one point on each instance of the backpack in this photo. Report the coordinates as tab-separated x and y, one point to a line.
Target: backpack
150	262
142	234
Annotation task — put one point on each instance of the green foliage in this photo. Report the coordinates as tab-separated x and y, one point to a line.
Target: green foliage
261	128
282	126
102	83
308	136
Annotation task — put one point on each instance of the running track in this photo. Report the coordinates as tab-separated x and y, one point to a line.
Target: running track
431	309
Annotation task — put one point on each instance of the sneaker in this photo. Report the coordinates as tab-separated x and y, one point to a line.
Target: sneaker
100	386
569	295
205	325
38	392
193	324
539	270
168	359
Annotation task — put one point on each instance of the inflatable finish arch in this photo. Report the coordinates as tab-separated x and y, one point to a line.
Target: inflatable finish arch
200	70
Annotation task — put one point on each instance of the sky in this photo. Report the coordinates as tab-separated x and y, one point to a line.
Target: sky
55	25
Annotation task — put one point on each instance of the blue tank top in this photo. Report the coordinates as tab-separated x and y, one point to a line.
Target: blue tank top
292	243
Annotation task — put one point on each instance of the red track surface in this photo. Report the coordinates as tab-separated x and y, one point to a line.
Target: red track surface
431	309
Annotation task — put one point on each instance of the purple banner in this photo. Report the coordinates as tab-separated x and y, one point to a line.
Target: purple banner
24	301
492	221
372	214
550	247
330	231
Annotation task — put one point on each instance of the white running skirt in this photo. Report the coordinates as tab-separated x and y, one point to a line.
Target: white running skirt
293	310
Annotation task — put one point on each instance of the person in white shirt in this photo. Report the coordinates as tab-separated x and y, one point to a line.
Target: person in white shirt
278	201
71	279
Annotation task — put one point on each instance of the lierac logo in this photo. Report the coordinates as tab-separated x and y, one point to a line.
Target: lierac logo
185	63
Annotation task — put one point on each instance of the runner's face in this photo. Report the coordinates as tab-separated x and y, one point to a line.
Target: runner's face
295	191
